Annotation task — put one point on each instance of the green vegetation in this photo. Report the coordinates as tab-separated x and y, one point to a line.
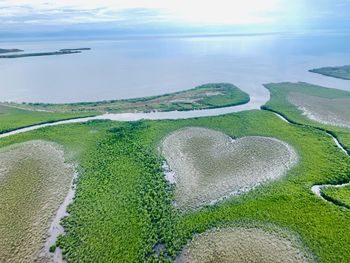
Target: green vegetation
328	107
203	97
336	72
280	102
15	118
123	205
338	195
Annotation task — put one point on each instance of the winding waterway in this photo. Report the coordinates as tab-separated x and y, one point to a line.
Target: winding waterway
316	189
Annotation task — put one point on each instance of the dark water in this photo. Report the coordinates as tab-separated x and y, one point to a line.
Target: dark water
139	67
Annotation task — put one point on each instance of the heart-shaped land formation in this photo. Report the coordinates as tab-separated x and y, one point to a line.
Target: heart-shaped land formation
209	166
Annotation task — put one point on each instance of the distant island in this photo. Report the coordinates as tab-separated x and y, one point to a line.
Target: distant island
2	50
75	49
342	72
38	54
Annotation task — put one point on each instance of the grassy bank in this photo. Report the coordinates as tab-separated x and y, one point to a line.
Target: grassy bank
281	104
123	207
13	118
202	97
338	195
342	72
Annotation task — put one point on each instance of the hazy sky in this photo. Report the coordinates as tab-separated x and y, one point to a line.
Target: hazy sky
271	15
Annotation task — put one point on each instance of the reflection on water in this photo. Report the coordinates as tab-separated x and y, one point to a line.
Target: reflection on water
140	67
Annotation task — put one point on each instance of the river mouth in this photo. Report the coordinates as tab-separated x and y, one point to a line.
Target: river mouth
34	181
243	245
210	166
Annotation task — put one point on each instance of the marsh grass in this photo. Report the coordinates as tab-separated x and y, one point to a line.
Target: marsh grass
338	195
14	118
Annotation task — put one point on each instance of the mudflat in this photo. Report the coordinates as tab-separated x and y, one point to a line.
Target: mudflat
243	245
34	180
331	111
209	165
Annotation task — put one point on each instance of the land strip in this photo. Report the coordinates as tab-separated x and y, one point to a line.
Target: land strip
208	96
342	72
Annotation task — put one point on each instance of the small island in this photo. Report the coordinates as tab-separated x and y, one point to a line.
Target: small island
342	72
75	49
39	54
2	50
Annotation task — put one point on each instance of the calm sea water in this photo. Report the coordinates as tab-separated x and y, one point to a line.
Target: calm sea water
128	68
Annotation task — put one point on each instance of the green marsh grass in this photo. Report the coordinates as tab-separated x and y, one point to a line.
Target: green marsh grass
124	207
14	118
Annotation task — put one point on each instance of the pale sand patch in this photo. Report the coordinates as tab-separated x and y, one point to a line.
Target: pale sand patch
334	112
209	165
34	180
243	245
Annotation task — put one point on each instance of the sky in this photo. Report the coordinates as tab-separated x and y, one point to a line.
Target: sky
20	17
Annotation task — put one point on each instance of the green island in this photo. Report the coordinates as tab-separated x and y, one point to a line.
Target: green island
12	118
121	189
214	95
342	72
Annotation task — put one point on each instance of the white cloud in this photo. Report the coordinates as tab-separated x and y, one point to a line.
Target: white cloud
187	11
268	13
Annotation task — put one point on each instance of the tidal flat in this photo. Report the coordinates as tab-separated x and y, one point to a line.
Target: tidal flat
209	165
335	112
244	245
34	181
